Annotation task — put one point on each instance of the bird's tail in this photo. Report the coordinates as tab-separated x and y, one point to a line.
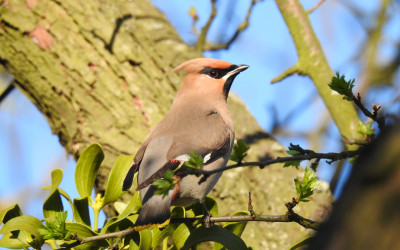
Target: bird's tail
155	212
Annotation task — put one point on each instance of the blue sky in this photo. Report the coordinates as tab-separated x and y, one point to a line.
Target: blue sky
28	150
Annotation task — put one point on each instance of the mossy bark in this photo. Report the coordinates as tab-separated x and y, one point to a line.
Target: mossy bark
99	71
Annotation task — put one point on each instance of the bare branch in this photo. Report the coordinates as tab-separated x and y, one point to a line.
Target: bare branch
304	155
203	35
79	241
320	2
295	69
290	216
7	91
373	115
250	207
210	46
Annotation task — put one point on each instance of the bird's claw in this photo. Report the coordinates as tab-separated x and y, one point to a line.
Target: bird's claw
207	217
207	220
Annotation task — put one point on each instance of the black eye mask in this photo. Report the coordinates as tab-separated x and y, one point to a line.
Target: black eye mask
217	73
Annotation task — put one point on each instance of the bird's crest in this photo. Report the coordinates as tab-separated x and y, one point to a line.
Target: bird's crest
196	65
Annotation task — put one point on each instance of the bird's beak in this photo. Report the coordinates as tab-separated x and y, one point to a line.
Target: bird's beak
236	71
240	68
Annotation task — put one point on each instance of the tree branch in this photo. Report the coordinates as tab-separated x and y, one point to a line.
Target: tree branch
303	155
320	2
203	35
312	62
373	115
7	91
290	216
211	47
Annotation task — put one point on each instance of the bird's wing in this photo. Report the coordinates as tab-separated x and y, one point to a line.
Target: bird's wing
213	140
208	136
135	164
166	150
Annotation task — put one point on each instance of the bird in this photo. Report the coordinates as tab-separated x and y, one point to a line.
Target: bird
198	121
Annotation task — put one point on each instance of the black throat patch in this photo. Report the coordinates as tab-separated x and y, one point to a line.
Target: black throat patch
219	73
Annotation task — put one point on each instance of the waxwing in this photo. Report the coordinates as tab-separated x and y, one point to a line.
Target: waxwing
198	121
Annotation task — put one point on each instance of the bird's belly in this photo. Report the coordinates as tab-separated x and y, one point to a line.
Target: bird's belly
190	189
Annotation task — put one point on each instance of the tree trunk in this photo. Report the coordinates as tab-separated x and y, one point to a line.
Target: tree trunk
99	71
367	214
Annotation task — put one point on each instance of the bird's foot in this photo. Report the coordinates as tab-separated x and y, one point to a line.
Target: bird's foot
207	217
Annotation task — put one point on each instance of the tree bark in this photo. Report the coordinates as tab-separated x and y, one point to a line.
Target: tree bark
367	215
99	71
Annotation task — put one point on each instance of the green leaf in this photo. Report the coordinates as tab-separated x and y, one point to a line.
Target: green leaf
305	188
63	193
145	239
314	166
81	210
195	161
180	235
216	234
178	212
133	207
365	128
111	222
302	243
211	205
133	218
133	246
26	223
83	231
239	151
53	204
56	178
116	178
10	241
160	235
9	213
235	227
120	206
165	184
343	87
292	152
295	164
55	229
86	169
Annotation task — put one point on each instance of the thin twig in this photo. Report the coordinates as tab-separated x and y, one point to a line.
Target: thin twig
250	207
240	29
7	91
373	115
308	155
289	217
119	234
320	2
203	35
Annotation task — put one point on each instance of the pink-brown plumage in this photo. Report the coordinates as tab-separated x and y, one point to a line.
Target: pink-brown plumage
198	121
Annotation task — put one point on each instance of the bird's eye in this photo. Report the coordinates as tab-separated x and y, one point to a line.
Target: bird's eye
213	73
